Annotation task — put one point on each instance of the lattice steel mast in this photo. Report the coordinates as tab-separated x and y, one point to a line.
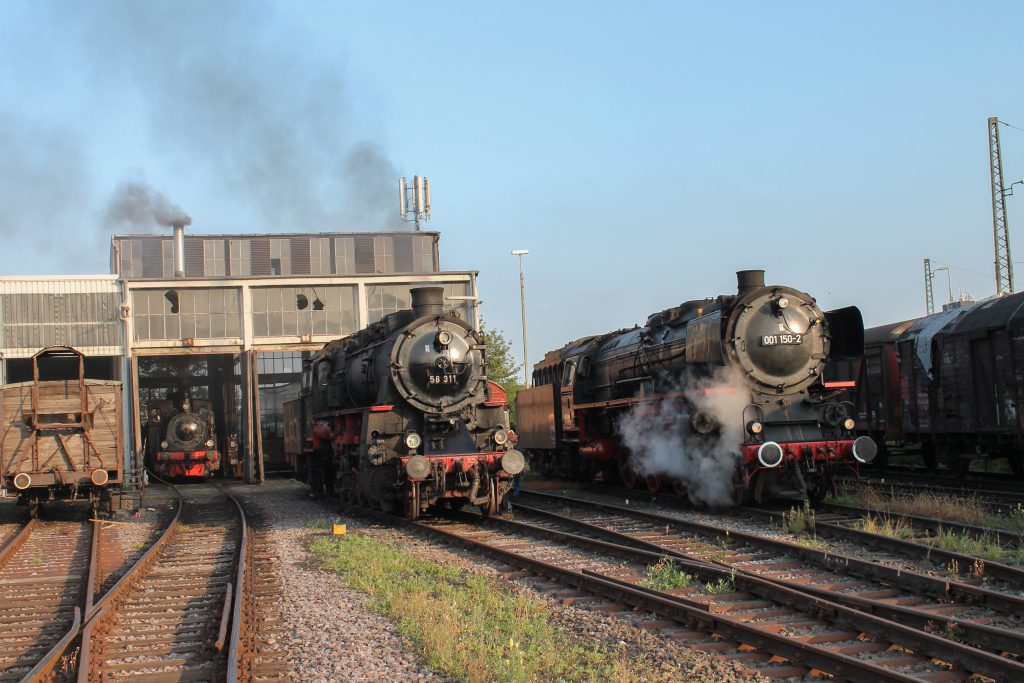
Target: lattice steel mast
929	297
1000	228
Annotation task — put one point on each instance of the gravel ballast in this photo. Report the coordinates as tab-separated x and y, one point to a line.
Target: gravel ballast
334	636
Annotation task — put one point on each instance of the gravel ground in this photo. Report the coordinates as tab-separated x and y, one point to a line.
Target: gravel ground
334	637
331	634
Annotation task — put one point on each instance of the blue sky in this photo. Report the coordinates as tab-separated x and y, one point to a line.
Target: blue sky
642	151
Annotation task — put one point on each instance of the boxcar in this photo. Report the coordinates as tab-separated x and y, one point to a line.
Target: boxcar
61	432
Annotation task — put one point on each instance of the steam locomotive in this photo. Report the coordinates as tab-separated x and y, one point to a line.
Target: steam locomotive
722	398
181	438
400	416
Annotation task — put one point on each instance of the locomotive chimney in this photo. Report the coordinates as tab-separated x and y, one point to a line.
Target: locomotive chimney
748	280
427	301
179	250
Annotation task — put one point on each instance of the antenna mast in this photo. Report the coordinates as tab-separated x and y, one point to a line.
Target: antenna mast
1000	228
414	200
929	297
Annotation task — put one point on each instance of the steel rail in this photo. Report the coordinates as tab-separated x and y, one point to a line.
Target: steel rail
915	549
980	635
935	587
48	662
102	607
671	607
932	524
106	604
234	649
18	539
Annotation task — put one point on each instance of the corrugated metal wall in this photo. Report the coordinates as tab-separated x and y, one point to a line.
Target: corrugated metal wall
83	313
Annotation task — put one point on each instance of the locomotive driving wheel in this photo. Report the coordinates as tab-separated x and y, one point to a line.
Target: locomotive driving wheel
412	501
491	506
626	472
654	482
679	486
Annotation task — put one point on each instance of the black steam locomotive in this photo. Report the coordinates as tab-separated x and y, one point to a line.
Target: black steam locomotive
723	398
181	438
400	416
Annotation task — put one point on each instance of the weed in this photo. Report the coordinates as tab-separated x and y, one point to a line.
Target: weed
884	525
468	626
666	575
138	545
321	524
811	542
985	546
799	520
722	585
36	560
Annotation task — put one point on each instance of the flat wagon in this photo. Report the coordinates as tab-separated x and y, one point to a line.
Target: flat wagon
61	435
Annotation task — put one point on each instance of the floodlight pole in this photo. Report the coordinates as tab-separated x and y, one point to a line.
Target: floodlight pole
522	307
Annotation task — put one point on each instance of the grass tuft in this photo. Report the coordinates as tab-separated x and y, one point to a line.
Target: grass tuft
722	585
666	575
470	627
887	526
799	520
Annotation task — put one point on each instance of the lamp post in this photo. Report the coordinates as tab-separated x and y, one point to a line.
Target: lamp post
949	282
522	307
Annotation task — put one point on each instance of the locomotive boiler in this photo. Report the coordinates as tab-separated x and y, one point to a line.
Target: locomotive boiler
181	438
723	398
400	416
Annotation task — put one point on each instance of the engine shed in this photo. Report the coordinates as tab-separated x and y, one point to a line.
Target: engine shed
224	319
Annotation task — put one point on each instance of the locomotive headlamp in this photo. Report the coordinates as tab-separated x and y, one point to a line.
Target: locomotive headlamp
513	462
163	444
782	303
413	441
755	427
417	468
849	424
500	437
864	449
444	337
209	443
769	454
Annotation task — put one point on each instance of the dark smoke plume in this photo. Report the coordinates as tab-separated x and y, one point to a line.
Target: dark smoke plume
44	198
237	101
139	206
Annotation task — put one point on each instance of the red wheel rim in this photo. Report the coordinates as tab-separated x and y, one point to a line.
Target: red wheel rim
653	482
679	486
626	471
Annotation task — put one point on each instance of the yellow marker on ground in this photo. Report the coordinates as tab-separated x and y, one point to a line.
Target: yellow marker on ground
340	529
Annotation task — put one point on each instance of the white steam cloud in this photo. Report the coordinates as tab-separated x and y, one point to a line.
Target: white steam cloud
662	443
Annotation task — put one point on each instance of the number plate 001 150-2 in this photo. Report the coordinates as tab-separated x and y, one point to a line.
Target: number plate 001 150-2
781	339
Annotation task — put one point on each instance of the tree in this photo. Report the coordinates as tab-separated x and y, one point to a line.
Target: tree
501	366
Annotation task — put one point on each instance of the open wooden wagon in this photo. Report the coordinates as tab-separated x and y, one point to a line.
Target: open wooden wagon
61	433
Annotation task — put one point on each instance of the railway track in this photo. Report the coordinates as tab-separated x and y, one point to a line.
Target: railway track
257	657
164	610
43	573
994	498
967	611
170	616
772	628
